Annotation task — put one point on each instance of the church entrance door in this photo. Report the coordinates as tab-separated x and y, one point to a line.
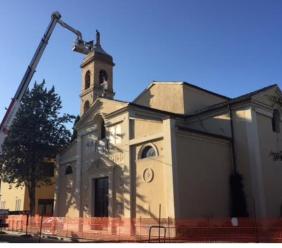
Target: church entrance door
101	198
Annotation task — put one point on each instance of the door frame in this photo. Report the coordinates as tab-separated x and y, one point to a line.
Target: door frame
100	173
94	180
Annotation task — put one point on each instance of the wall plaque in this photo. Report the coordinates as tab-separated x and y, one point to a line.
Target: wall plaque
148	175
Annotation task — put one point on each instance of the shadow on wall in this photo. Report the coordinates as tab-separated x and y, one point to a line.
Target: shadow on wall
137	208
146	99
120	190
67	194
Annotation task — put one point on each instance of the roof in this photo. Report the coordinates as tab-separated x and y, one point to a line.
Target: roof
156	110
97	51
201	111
231	101
251	94
184	128
179	83
205	90
132	104
206	109
97	47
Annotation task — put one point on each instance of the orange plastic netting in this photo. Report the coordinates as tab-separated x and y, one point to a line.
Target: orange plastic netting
147	229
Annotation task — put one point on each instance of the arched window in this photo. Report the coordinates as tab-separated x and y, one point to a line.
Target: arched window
103	130
276	121
148	151
103	76
101	127
68	170
86	106
87	80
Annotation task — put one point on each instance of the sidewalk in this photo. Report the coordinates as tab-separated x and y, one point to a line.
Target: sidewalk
18	237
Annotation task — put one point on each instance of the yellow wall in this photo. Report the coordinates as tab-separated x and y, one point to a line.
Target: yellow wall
242	120
196	99
202	176
66	199
272	170
164	97
149	195
215	123
177	97
143	127
9	194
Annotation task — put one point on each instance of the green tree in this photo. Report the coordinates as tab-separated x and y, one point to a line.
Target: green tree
36	135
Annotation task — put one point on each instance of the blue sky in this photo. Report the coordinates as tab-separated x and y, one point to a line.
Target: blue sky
230	47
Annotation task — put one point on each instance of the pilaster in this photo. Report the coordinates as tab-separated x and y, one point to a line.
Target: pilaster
78	176
171	175
255	164
57	186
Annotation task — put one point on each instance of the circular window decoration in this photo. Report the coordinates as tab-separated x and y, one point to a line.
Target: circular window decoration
148	175
148	151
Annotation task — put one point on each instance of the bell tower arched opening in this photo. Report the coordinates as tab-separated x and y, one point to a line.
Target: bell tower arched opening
87	80
97	75
86	106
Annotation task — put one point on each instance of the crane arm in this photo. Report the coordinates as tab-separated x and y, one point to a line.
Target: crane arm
37	56
80	46
65	25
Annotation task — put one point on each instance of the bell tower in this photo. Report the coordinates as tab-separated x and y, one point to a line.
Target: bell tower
97	76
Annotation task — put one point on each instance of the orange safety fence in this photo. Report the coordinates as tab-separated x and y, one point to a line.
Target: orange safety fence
148	229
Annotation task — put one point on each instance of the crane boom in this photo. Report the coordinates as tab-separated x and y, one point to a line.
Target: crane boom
80	46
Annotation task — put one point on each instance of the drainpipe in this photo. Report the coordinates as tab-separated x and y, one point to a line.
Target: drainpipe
235	167
232	139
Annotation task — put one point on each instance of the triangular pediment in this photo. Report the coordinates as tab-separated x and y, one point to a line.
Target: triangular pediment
69	151
268	96
102	106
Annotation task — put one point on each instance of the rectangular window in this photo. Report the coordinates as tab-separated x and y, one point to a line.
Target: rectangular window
115	135
45	207
131	129
18	204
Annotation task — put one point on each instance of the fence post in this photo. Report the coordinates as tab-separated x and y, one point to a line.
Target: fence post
40	230
140	230
26	224
160	209
67	235
168	228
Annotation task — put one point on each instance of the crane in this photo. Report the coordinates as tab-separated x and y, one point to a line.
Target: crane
80	46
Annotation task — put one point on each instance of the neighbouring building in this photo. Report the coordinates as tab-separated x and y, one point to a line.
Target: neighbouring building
175	146
17	199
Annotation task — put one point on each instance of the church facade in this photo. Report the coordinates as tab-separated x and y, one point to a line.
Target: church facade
174	148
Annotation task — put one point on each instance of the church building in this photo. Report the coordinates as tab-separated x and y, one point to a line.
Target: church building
177	147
